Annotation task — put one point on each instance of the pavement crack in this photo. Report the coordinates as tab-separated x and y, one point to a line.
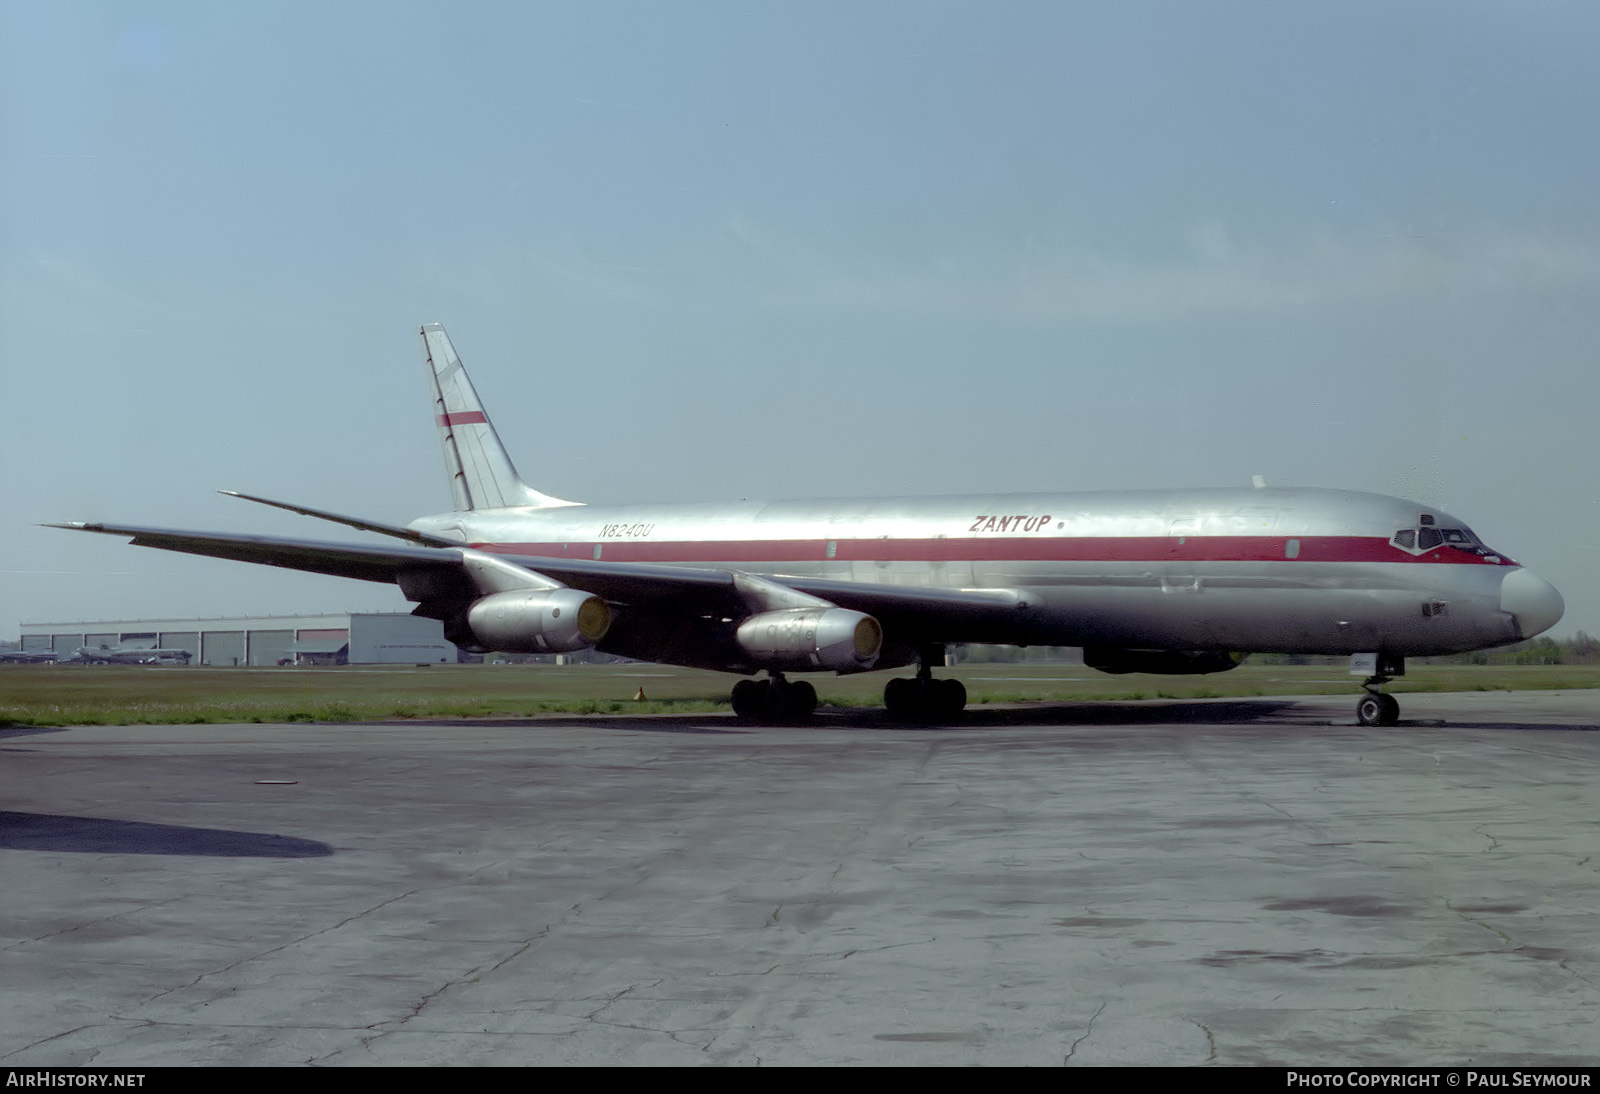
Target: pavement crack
89	923
593	1015
1087	1030
470	976
1566	965
282	946
47	1040
674	1034
474	975
1507	939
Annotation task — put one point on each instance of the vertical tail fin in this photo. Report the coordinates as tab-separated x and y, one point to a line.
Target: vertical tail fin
481	474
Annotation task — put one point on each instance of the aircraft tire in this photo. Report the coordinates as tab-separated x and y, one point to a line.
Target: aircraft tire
802	699
749	699
1378	710
900	698
776	706
951	698
1391	710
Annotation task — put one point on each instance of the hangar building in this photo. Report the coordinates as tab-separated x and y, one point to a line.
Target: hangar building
369	638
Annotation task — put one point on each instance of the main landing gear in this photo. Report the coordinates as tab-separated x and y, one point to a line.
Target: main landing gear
774	698
924	698
1378	708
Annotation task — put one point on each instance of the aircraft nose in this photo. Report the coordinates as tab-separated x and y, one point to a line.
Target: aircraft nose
1532	600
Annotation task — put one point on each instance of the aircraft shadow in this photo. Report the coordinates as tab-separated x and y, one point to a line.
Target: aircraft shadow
26	731
1242	712
643	723
1521	726
98	835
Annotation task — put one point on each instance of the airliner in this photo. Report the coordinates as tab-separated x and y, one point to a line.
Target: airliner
126	655
1151	581
29	657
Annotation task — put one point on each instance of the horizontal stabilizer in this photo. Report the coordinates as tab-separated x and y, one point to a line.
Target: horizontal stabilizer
354	522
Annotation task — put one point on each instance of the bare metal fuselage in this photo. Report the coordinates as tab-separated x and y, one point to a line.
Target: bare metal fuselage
1270	570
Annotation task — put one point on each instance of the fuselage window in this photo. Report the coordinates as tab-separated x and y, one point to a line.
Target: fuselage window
1291	549
1406	538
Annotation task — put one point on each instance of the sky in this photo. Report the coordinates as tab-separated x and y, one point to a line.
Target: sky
705	250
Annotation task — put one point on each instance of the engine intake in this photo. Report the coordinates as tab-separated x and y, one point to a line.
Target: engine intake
1116	660
538	621
797	639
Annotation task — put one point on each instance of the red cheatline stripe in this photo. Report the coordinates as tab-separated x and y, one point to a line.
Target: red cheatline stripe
462	417
1153	549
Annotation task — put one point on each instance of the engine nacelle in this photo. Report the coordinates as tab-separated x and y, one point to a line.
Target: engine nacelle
1116	660
797	639
538	621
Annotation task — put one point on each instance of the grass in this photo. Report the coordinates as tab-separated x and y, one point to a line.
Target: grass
130	694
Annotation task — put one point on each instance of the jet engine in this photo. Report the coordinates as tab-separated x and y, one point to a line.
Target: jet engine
538	621
1116	660
798	639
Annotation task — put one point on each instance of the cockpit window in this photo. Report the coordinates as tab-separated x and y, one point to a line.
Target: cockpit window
1421	540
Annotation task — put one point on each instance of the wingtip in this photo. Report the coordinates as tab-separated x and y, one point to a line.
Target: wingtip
73	525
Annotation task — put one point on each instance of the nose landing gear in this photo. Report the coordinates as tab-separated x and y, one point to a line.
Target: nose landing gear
1377	708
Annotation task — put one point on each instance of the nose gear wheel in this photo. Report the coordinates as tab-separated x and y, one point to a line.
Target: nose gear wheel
1377	708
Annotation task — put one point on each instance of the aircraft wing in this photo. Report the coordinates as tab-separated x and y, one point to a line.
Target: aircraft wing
613	581
920	613
383	564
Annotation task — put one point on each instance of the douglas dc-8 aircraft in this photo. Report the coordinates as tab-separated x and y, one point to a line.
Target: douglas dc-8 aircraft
1164	581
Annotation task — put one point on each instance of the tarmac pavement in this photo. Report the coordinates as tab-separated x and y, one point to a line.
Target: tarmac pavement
1221	882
